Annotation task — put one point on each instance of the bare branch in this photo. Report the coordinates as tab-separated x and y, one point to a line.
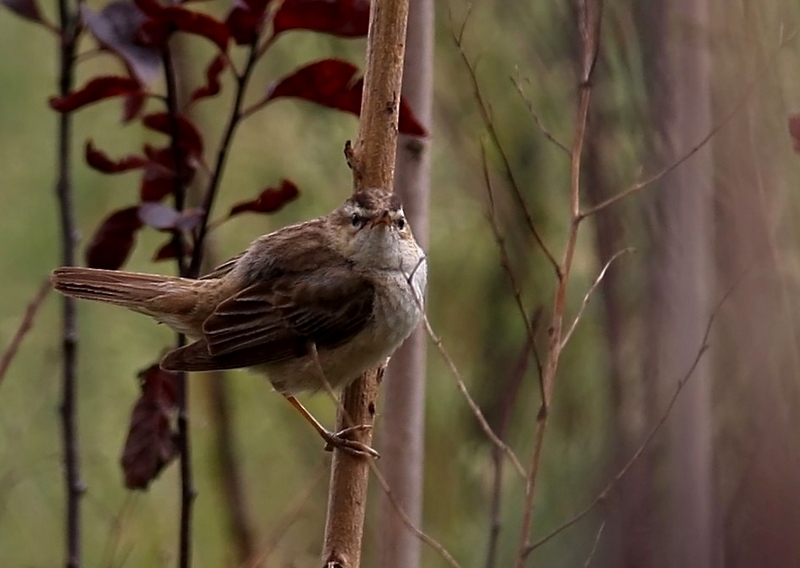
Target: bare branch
589	293
489	125
538	120
603	495
487	429
594	546
24	327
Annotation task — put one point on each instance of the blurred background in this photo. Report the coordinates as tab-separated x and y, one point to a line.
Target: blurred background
724	222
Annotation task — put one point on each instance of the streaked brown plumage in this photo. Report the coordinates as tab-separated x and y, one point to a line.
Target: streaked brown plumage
350	283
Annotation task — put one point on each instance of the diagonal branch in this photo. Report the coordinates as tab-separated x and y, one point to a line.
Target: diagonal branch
538	120
23	329
603	495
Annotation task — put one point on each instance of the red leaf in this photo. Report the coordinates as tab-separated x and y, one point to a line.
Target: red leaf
246	20
345	18
329	82
332	83
113	240
133	106
152	439
164	20
167	251
100	161
116	27
27	9
794	131
159	173
95	90
188	136
212	86
269	200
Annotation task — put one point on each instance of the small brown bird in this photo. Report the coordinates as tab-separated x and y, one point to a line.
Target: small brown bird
336	294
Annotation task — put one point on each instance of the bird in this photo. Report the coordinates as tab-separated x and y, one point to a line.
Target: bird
321	300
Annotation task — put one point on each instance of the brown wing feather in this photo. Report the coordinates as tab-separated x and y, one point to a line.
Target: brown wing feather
276	319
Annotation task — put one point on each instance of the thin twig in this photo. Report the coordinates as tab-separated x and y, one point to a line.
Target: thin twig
594	546
423	536
288	519
537	119
489	125
603	495
188	492
70	29
589	27
24	327
222	156
476	411
591	291
506	263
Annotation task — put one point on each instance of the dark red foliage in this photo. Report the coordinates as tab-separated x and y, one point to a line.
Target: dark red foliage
212	86
246	20
95	90
112	242
164	20
152	439
27	9
345	18
159	173
133	106
167	251
116	27
269	200
100	161
332	83
189	137
794	131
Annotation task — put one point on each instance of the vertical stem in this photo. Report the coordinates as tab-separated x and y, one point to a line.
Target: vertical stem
188	492
69	346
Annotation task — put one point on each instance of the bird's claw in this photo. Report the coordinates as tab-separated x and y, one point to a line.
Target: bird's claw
339	440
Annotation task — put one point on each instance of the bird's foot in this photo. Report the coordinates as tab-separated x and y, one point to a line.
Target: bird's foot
340	440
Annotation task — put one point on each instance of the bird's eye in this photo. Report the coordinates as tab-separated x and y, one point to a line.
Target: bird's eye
401	223
357	220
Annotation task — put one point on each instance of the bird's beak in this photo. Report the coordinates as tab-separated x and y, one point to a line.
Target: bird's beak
382	219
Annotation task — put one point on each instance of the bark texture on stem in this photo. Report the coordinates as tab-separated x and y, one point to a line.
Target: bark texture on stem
403	415
372	160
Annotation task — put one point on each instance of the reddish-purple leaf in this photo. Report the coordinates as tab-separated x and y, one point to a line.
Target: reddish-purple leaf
794	131
27	9
95	90
332	83
116	27
269	200
328	82
167	251
133	106
164	20
246	20
100	161
152	440
113	240
159	173
188	136
345	18
212	86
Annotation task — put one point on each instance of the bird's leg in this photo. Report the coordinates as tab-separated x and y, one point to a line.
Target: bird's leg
336	439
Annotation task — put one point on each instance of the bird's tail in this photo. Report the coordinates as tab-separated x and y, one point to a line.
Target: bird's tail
150	294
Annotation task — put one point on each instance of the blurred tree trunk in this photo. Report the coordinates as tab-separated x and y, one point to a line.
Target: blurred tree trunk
403	421
630	519
759	460
681	273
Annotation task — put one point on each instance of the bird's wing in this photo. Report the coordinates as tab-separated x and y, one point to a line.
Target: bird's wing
277	319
